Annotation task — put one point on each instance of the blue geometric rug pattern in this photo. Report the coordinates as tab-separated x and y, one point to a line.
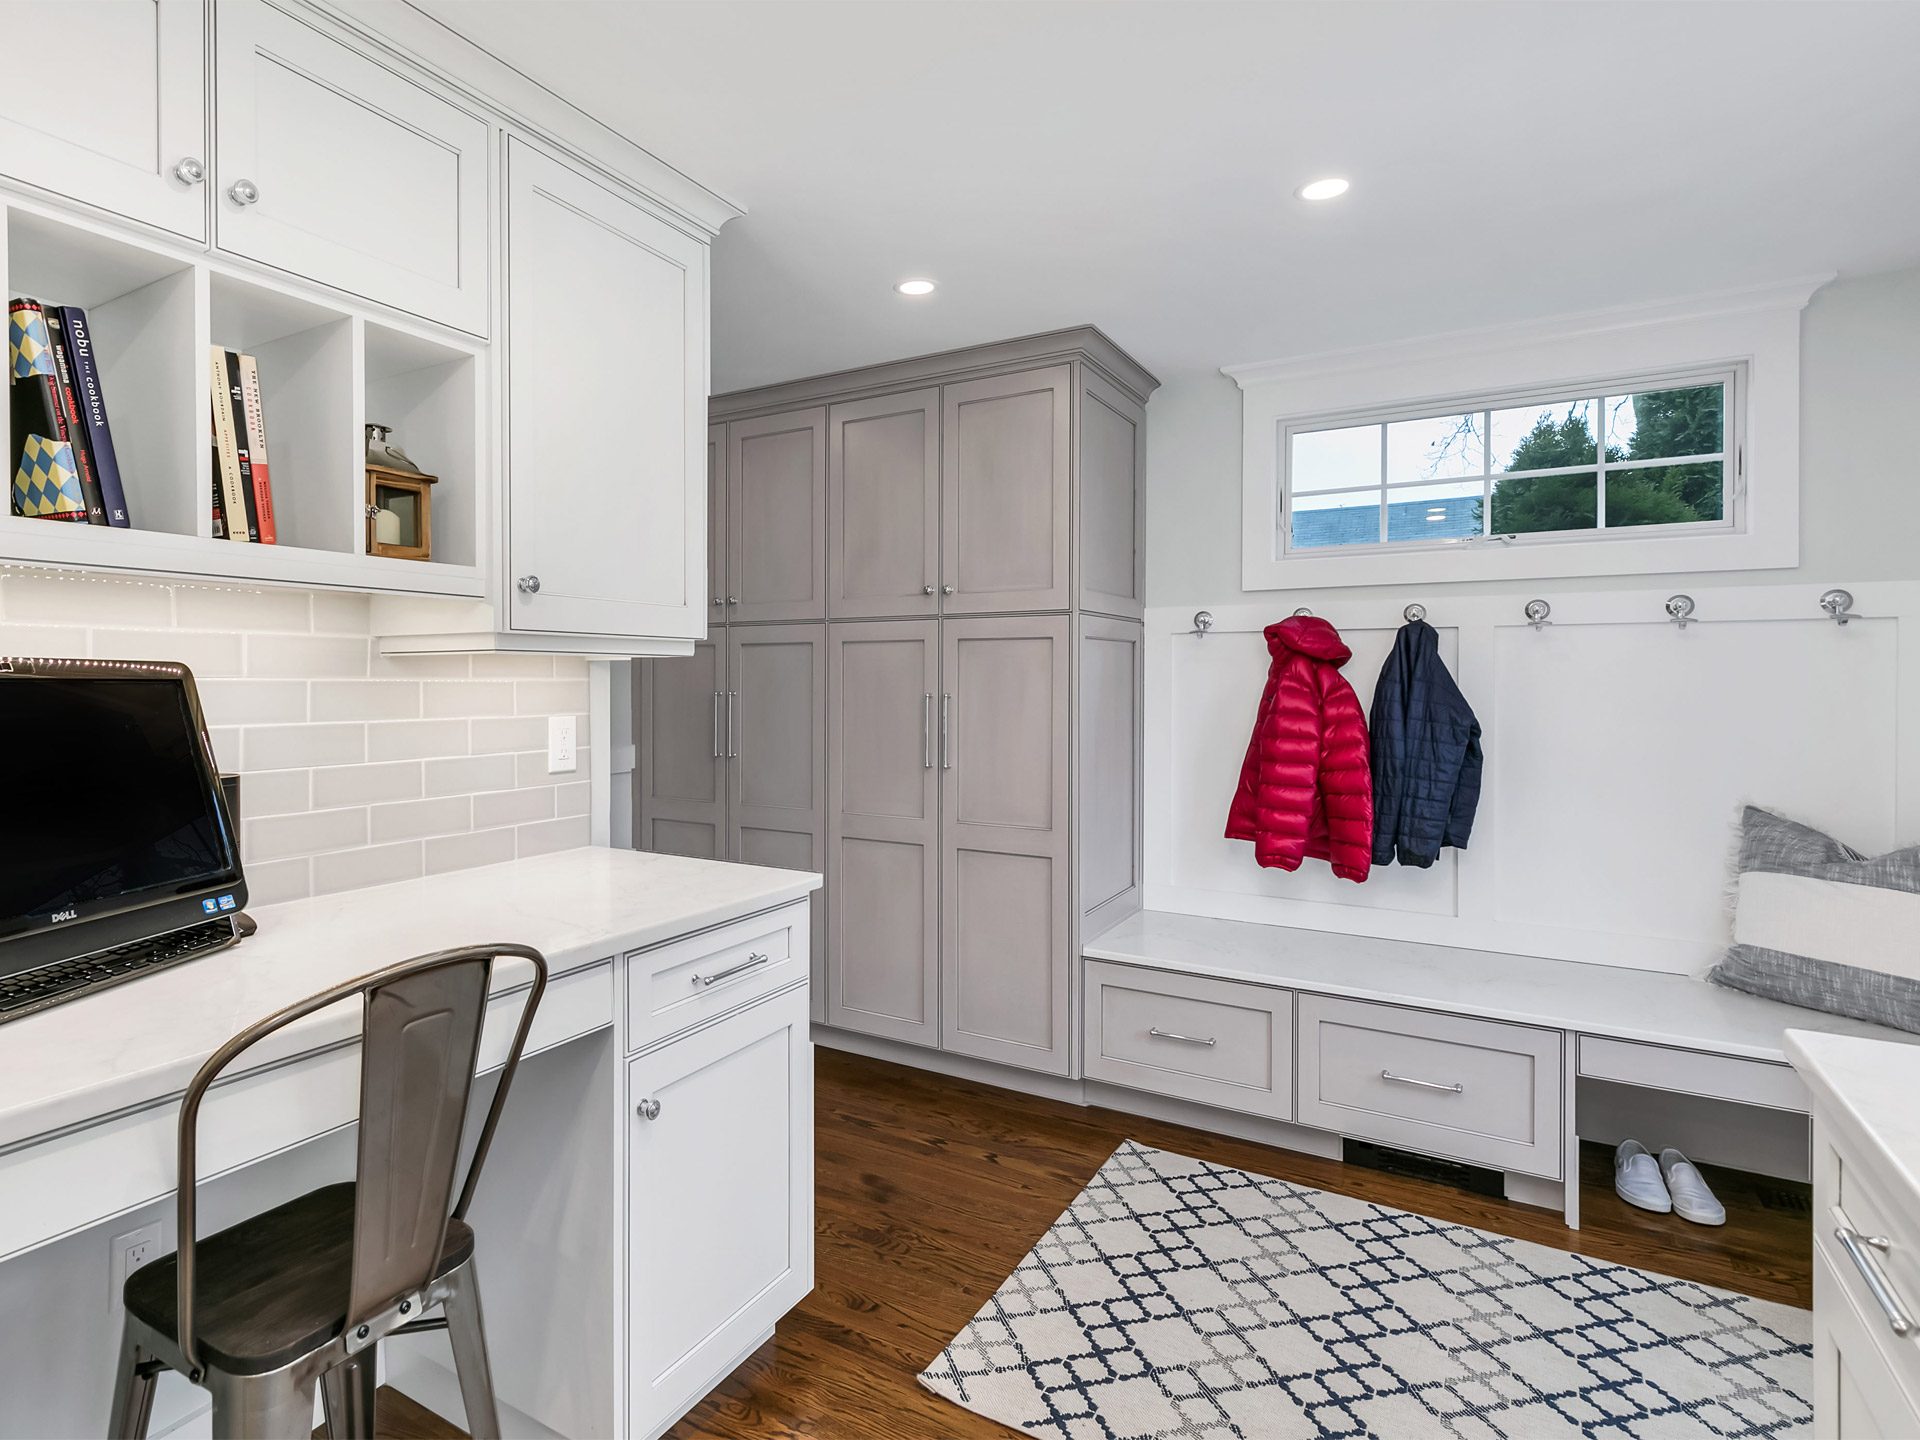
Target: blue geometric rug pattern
1184	1301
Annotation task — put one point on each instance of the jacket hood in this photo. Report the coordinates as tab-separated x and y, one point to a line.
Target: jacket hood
1307	635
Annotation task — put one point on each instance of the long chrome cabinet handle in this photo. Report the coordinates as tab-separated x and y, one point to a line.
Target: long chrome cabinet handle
1189	1039
926	731
946	732
752	962
716	724
733	736
1422	1084
1854	1243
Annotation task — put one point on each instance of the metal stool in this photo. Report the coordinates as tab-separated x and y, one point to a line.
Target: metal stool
302	1293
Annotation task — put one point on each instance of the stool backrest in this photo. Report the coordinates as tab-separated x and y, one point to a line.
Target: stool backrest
421	1022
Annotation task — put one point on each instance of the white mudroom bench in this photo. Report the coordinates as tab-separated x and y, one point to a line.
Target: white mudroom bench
1467	1055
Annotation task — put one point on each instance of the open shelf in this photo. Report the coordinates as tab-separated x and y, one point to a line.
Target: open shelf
426	394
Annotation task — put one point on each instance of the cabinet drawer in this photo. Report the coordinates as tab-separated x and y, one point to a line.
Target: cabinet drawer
1694	1072
1856	1200
685	981
574	1004
1859	1391
1190	1036
1476	1090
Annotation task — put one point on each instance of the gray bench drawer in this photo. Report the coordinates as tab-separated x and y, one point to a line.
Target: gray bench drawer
1196	1038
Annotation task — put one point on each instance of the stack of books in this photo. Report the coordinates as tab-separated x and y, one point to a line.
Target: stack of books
242	490
61	448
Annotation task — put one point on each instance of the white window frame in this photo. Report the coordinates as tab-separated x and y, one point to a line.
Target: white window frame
1753	335
1731	456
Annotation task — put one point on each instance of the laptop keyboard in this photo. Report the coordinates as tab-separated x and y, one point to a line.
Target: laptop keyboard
32	990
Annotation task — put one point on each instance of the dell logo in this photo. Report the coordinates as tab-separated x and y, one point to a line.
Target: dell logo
60	915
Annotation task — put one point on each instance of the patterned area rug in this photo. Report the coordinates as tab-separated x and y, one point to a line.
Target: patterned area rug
1181	1299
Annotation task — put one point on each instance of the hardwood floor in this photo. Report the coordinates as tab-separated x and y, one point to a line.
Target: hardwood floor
929	1191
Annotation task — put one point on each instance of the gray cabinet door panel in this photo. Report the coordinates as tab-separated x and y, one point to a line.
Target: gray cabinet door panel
883	829
1112	512
1005	492
1005	840
776	514
883	506
777	678
681	720
717	591
1107	788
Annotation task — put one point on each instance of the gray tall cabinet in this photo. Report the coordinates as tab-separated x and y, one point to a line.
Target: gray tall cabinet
923	678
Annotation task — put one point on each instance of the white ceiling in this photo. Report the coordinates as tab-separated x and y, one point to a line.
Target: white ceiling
1132	164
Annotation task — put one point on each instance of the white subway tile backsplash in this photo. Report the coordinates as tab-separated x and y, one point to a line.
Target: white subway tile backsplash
531	769
271	882
415	739
252	702
336	612
544	836
205	652
200	608
492	735
337	785
413	819
307	656
569	667
275	792
468	697
462	852
506	666
551	697
52	598
226	747
512	807
366	700
573	799
283	747
416	667
356	869
52	642
468	774
279	837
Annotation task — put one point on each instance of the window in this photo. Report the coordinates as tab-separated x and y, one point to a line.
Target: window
1621	459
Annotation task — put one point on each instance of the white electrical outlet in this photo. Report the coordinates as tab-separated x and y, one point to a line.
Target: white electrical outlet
128	1253
561	759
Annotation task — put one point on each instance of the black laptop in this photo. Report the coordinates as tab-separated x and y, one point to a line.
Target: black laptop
118	853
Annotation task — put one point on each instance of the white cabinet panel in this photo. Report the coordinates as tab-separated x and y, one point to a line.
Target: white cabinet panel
720	1187
606	410
143	111
360	177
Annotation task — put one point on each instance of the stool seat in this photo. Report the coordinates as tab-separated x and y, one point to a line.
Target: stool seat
274	1287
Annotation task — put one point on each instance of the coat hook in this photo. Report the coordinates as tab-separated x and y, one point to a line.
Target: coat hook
1202	622
1537	613
1838	604
1413	612
1303	610
1680	609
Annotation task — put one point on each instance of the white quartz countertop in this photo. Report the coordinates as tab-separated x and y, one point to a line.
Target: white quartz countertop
1654	1006
136	1043
1869	1087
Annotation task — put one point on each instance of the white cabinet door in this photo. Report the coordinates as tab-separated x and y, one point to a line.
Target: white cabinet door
122	141
337	168
606	410
721	1200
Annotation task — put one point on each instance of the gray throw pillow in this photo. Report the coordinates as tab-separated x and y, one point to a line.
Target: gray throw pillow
1818	924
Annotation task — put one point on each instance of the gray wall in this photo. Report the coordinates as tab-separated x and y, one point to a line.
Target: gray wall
1859	466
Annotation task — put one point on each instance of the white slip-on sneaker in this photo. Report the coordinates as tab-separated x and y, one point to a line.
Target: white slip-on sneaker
1636	1178
1692	1200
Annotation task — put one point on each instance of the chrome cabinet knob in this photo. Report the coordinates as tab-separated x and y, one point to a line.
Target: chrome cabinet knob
926	589
529	584
716	599
190	171
946	589
733	599
243	192
648	1109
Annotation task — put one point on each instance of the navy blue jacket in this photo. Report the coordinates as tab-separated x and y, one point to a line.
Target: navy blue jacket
1426	754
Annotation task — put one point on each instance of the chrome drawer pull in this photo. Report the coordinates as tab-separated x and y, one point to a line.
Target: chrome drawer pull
1852	1241
1190	1039
745	965
1422	1084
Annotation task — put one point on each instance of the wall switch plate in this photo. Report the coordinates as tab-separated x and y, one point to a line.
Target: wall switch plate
127	1253
561	759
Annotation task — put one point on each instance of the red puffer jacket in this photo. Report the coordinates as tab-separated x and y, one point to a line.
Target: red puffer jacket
1305	788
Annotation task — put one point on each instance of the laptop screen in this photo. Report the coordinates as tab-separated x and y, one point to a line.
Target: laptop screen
110	799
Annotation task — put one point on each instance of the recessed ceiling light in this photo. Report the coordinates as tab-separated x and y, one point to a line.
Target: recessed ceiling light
915	287
1323	189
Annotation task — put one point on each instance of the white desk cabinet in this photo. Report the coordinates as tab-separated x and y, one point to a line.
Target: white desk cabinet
607	372
111	109
332	166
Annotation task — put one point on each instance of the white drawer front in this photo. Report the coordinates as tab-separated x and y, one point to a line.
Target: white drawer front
1858	1201
1861	1388
1475	1090
1693	1072
686	981
1215	1041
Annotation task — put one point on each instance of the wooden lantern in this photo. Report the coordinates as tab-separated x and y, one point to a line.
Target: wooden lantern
399	513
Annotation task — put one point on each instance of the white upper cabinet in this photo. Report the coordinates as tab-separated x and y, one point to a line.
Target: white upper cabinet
133	139
336	168
606	410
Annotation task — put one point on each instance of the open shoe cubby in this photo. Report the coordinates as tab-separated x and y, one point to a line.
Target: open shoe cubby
326	367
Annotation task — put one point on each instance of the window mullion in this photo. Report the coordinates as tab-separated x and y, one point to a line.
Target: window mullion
1486	472
1600	458
1383	483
